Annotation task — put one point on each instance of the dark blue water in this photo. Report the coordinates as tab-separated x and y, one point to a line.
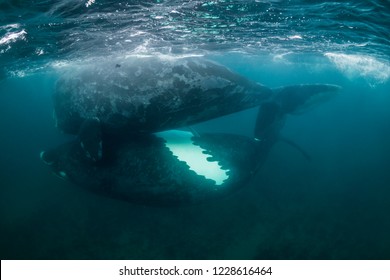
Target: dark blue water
335	206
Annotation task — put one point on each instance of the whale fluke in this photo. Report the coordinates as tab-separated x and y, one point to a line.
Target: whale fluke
297	99
289	100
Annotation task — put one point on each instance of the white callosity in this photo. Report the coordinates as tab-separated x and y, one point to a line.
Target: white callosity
181	145
42	156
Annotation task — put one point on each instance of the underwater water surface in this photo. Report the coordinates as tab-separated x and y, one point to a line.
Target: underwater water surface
334	206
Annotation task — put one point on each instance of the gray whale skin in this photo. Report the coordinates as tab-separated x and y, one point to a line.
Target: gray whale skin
169	167
149	170
149	94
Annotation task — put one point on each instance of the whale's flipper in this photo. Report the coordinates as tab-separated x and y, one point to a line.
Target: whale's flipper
298	98
90	137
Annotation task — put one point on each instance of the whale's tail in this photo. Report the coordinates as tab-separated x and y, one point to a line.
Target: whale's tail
289	100
297	99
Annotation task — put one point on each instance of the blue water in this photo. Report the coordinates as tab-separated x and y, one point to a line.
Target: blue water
335	206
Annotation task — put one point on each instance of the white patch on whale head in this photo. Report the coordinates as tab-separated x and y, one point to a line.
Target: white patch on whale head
42	157
61	174
181	145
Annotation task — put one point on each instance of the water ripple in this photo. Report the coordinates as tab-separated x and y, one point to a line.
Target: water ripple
73	29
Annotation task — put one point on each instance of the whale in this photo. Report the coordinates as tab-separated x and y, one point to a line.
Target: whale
175	167
150	93
169	168
146	94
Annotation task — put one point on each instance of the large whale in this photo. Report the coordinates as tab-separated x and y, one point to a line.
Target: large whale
174	167
153	93
165	169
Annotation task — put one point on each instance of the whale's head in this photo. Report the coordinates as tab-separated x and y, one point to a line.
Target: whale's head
70	162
